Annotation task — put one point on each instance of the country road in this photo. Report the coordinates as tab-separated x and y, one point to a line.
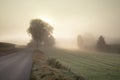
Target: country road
16	66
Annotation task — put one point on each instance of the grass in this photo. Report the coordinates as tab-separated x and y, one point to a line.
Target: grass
91	65
45	68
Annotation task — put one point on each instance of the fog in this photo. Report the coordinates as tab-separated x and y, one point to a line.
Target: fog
68	17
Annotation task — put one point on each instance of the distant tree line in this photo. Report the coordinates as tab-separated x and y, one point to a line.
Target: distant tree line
80	41
7	45
100	45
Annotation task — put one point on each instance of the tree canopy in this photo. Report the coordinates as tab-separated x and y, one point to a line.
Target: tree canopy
41	33
101	44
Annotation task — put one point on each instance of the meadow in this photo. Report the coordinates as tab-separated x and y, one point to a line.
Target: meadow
91	65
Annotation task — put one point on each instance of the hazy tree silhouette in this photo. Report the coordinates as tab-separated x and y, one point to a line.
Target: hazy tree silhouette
101	44
41	33
80	41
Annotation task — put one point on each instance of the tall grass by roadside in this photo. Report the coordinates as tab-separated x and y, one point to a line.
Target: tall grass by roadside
51	69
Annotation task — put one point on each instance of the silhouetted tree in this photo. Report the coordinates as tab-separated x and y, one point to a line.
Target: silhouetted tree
80	41
41	33
101	44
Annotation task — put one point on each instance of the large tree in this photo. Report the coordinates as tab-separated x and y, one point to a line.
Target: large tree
41	33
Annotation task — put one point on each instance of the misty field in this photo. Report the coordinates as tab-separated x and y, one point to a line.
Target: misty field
91	65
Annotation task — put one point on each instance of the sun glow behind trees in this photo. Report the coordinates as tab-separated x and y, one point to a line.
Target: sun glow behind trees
98	17
65	38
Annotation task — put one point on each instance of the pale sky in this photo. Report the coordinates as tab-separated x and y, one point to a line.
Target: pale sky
68	17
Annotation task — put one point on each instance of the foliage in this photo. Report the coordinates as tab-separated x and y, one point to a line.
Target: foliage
80	41
101	44
41	33
7	45
56	64
51	69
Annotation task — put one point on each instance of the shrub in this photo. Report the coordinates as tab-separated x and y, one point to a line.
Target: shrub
56	64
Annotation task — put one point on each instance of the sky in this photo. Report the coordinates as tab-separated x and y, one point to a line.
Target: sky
68	17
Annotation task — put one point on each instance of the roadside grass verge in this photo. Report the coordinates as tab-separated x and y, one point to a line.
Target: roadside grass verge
45	68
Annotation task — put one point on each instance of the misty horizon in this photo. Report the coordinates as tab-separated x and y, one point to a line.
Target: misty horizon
79	17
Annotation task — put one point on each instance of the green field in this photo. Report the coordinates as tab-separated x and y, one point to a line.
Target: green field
91	65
